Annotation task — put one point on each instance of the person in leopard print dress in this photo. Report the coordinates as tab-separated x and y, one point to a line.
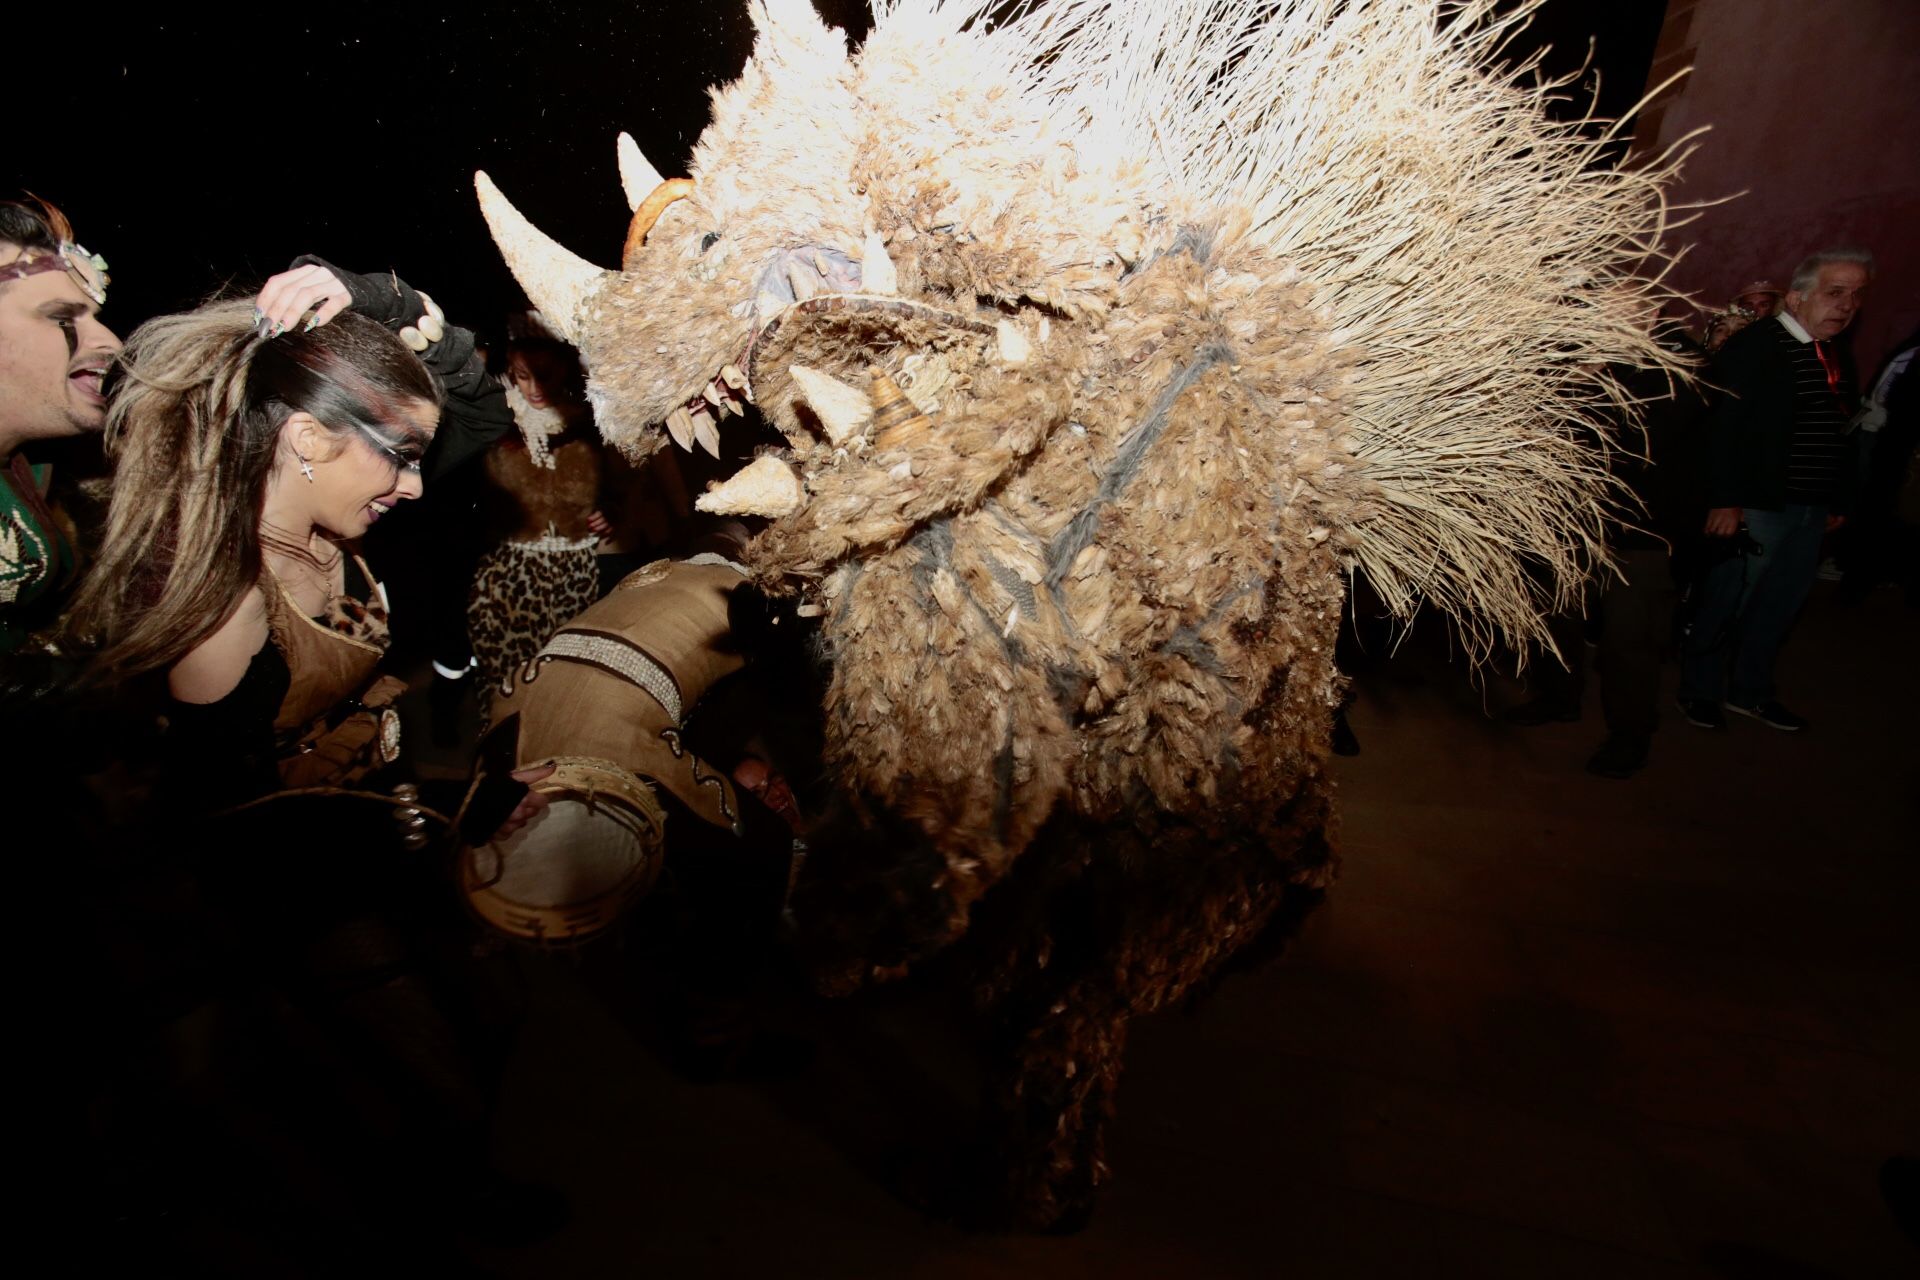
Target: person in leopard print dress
542	508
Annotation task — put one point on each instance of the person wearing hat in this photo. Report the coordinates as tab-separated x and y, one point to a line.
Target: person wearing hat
1757	301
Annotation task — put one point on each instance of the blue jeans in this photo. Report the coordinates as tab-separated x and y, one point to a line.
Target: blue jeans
1747	606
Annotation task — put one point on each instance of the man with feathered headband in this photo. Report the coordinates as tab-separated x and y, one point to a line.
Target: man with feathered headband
54	354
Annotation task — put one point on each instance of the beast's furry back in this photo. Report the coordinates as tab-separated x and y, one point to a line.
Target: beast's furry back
1480	261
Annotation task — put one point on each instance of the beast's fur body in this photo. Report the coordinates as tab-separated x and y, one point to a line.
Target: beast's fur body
1203	302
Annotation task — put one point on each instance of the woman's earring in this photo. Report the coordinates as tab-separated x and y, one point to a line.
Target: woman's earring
306	469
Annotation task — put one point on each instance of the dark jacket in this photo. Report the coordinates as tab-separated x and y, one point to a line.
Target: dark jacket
1658	462
1750	429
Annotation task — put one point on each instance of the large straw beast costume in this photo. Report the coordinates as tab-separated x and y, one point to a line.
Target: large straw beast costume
1106	339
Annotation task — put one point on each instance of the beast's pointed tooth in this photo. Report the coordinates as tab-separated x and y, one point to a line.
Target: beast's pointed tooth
680	427
732	376
766	486
712	393
804	280
877	272
706	434
843	410
556	280
1012	344
638	178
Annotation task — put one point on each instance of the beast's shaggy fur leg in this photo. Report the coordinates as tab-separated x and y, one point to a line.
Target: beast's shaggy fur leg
1093	927
1051	1089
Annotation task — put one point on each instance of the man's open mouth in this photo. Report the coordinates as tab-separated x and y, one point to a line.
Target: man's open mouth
89	380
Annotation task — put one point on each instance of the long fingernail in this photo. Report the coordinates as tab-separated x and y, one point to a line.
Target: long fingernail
312	322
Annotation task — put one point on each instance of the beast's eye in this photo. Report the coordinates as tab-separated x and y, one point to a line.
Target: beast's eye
708	240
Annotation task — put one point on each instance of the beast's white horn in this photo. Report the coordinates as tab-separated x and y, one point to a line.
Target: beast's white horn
764	487
843	410
638	178
557	280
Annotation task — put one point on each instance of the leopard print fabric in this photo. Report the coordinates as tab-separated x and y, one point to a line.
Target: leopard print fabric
522	593
362	620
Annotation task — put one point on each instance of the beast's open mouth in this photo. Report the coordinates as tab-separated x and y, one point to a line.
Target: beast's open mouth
697	421
790	277
795	368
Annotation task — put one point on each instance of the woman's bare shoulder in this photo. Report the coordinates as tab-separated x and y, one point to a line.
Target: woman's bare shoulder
212	668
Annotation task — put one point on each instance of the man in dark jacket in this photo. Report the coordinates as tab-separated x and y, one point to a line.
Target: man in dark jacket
1777	474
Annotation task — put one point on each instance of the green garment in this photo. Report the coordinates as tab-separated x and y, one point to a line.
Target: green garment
36	559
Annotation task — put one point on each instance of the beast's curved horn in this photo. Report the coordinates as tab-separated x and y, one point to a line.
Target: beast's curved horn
557	281
637	177
649	213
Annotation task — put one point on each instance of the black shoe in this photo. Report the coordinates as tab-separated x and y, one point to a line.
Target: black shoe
1703	712
1541	711
1344	743
1619	757
1771	714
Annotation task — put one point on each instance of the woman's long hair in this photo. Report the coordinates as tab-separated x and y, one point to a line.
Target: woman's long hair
193	429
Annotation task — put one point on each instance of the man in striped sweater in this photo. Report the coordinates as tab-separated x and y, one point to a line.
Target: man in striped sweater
1778	471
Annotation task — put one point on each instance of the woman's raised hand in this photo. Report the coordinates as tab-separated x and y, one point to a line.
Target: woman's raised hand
287	298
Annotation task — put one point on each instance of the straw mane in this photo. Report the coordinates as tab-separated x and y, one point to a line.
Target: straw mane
1481	260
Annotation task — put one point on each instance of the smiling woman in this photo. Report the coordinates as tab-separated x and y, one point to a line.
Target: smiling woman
242	461
253	442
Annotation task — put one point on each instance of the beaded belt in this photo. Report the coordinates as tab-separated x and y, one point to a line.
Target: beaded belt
617	656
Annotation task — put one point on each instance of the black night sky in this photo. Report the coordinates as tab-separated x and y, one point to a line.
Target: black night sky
200	146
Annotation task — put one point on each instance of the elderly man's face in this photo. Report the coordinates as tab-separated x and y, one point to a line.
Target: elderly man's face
1828	307
53	354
